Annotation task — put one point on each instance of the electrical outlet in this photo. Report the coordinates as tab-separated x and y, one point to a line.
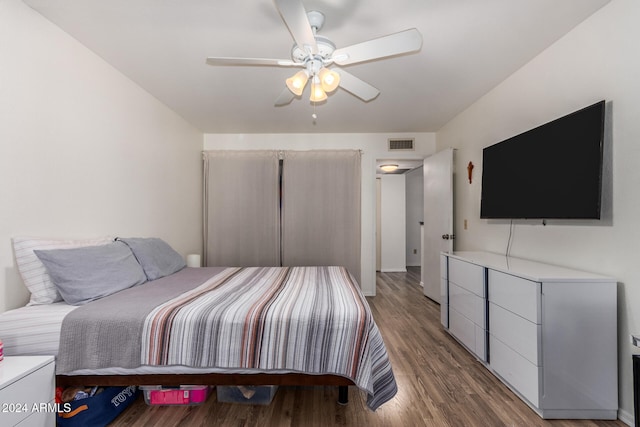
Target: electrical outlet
415	251
465	224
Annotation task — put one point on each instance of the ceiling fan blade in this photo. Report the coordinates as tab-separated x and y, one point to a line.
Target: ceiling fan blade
356	86
295	16
253	61
393	44
285	98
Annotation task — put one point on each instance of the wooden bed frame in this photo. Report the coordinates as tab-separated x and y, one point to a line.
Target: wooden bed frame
292	379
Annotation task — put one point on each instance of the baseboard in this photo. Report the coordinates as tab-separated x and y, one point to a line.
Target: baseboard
625	417
393	270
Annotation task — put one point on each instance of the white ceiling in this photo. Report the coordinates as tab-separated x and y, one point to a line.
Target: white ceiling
469	47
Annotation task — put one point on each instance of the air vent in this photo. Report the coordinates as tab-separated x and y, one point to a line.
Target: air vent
401	144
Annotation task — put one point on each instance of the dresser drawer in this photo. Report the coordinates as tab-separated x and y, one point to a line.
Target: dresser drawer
516	332
443	266
468	303
481	343
518	295
517	371
468	333
444	315
444	291
463	329
444	303
466	275
39	419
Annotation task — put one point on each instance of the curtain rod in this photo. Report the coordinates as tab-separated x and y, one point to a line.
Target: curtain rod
281	152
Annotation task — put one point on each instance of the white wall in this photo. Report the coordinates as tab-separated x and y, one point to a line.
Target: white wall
415	214
374	147
83	150
597	60
393	213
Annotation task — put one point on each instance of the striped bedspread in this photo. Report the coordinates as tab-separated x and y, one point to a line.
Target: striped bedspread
272	319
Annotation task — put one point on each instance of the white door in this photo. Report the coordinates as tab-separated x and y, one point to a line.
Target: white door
438	218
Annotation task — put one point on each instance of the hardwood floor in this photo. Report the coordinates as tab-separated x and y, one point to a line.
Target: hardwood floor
439	383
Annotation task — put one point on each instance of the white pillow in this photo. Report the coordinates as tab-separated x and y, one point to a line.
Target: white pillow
33	272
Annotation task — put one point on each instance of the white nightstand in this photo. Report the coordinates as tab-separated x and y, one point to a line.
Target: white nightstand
27	390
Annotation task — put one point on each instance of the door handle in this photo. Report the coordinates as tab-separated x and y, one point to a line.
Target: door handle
448	236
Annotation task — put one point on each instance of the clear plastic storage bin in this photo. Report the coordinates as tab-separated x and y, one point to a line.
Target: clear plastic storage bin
255	395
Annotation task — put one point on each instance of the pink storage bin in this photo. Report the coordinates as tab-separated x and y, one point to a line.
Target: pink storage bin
183	395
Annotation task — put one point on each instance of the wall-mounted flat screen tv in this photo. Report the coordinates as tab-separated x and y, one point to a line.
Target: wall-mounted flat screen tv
553	171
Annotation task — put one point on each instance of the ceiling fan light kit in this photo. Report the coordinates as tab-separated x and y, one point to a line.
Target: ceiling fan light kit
297	82
330	79
315	53
317	92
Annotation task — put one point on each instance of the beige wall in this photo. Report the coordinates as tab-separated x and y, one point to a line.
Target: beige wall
597	60
83	150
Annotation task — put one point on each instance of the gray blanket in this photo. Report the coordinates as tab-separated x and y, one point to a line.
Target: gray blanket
107	332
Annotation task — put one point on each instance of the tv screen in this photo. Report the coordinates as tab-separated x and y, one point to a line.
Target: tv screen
553	171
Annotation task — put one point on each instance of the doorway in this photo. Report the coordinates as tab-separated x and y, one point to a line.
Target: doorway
399	211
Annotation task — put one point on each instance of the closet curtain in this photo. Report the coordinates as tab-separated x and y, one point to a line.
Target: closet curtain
241	208
321	209
303	211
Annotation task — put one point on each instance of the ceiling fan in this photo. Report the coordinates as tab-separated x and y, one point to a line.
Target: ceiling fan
315	54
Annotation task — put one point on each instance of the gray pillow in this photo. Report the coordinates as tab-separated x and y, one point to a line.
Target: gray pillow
156	257
89	273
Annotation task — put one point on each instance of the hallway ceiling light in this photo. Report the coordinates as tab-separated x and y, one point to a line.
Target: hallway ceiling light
389	167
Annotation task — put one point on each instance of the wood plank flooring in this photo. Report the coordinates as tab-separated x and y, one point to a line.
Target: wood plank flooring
439	383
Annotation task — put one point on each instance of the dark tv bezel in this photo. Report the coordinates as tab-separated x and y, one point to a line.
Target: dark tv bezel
598	208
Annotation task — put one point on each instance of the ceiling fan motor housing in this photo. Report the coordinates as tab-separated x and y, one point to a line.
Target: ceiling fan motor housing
325	50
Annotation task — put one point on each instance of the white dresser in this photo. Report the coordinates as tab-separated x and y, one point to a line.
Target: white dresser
548	332
27	389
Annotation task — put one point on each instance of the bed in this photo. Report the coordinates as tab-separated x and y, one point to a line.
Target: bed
228	326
